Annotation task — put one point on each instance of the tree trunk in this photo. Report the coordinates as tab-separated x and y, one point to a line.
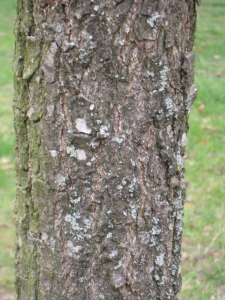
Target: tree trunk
103	90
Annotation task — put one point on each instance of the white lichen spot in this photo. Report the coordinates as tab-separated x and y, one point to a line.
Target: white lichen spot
180	215
151	21
92	106
163	75
125	213
73	222
169	106
180	160
87	222
132	185
71	247
124	181
104	131
150	74
81	126
72	44
160	259
59	28
81	279
77	215
156	230
96	8
157	277
61	181
71	151
143	259
99	122
170	294
70	131
80	154
119	187
170	226
53	153
110	225
153	241
43	25
119	265
179	227
134	213
119	140
90	283
183	140
169	132
144	237
75	201
113	253
30	112
109	31
162	280
109	235
179	270
133	162
122	42
101	296
89	163
158	196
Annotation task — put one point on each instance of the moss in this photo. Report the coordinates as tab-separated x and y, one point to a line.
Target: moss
31	57
20	102
34	144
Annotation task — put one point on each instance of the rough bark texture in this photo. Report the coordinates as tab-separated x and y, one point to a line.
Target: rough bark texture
103	90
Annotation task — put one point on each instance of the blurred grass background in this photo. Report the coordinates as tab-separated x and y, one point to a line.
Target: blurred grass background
7	183
203	254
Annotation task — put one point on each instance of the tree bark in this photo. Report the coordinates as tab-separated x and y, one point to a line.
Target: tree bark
103	91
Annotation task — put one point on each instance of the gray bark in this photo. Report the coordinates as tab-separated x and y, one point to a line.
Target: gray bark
103	90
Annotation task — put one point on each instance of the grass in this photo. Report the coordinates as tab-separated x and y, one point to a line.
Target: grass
203	256
7	184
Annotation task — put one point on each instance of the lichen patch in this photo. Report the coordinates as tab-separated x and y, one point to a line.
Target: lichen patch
80	154
151	21
82	127
71	151
53	153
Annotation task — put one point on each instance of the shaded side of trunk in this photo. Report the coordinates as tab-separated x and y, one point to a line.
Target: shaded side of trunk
103	90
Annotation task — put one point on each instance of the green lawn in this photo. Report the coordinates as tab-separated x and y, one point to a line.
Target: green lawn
203	257
7	183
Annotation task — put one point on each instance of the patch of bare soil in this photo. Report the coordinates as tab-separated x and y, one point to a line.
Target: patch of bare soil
221	292
5	295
